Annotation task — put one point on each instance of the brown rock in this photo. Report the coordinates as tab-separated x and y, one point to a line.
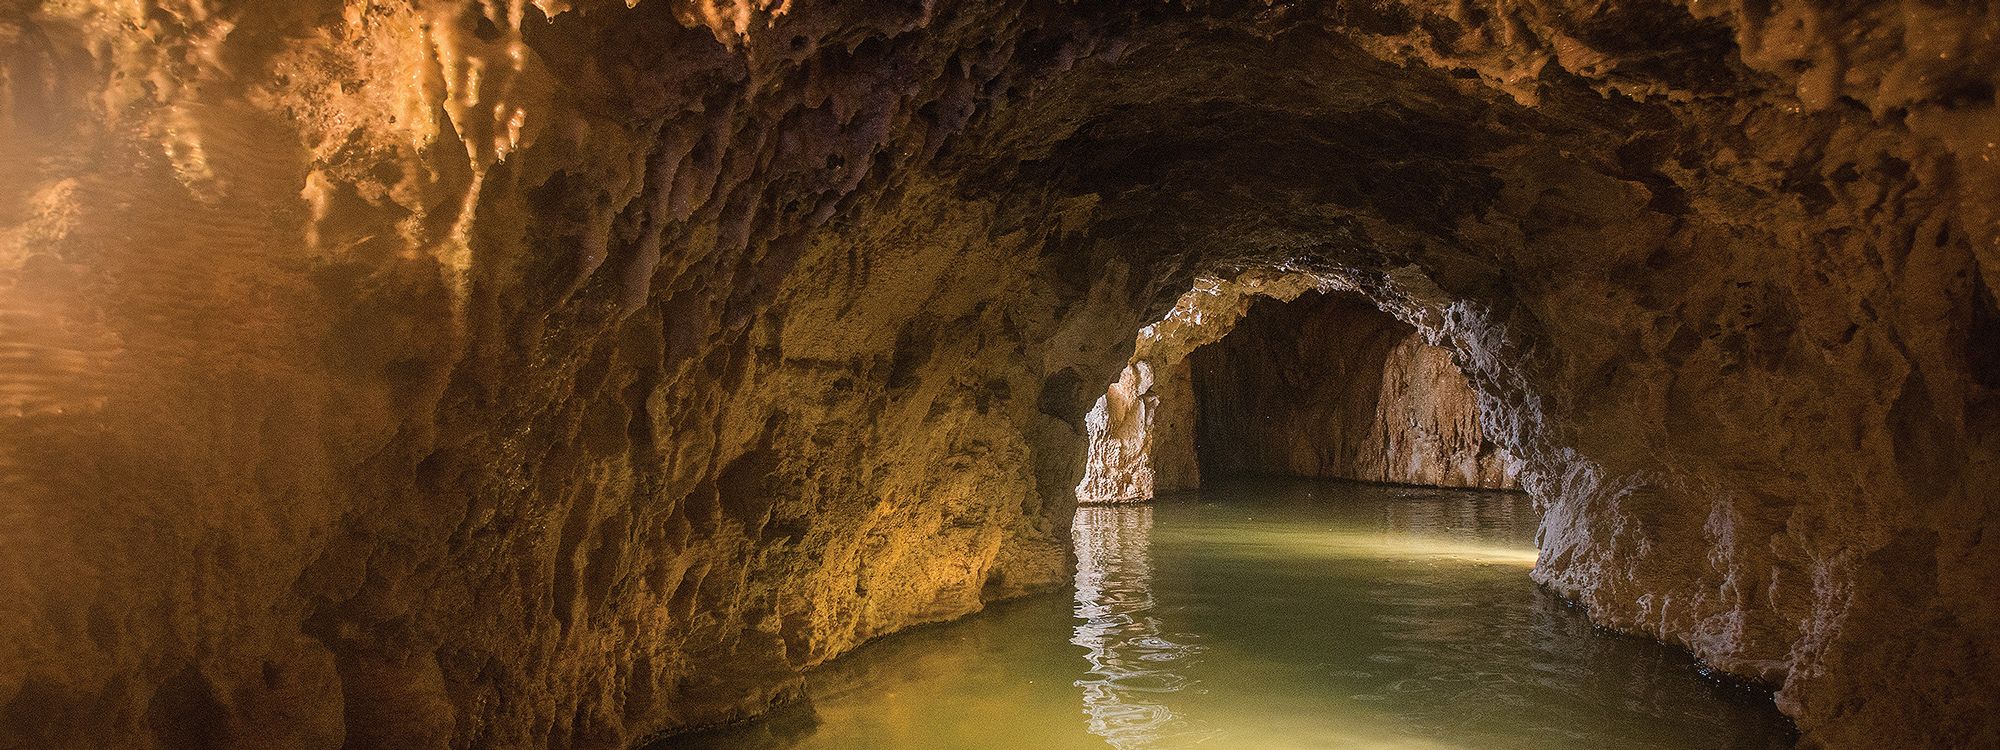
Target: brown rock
557	373
1141	432
1328	386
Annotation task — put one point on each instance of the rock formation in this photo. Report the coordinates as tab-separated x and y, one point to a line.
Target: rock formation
1141	432
1328	386
385	373
1117	462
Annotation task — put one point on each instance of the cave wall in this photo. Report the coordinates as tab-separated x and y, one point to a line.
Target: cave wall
1328	386
500	374
1139	436
384	375
1332	390
1427	422
1174	462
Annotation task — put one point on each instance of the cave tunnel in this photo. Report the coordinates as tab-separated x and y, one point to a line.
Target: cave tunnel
660	373
1274	377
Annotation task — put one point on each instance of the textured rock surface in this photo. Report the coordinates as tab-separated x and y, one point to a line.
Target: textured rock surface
1172	457
551	374
1140	434
1328	386
1323	389
1119	434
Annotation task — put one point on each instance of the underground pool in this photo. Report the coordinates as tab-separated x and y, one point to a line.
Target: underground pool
1277	614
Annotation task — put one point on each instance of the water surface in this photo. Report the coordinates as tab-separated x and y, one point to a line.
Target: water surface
1275	615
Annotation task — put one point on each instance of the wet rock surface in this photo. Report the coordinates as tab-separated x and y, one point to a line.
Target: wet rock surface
387	374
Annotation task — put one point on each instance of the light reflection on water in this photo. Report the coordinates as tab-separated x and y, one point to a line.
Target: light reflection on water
1276	615
1135	667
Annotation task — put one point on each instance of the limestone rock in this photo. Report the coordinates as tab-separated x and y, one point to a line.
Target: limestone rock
1305	390
556	373
1118	464
1329	386
1141	432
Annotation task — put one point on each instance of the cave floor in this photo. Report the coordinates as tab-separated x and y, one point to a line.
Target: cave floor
1277	614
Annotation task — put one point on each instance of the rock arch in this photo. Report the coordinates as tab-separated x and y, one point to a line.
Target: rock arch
408	366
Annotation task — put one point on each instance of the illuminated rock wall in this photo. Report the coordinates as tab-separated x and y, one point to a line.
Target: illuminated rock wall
1328	386
1141	432
516	374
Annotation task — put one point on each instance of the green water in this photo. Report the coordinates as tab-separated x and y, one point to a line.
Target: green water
1276	615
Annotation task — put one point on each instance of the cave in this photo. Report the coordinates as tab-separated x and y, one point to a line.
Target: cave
1276	377
594	373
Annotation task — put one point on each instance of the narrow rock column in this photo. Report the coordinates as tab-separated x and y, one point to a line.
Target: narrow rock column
1119	466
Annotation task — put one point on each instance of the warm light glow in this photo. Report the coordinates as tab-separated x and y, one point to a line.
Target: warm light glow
1141	669
1134	666
1408	546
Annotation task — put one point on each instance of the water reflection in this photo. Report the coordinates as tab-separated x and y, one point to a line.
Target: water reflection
1134	665
1270	615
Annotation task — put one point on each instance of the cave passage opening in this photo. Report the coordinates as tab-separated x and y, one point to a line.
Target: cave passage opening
1285	376
1301	431
1273	612
1291	531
